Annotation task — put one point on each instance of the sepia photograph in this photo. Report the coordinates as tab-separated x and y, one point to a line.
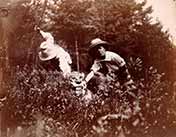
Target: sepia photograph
87	68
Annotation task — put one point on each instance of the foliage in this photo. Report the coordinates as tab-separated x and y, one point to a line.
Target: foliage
124	23
34	92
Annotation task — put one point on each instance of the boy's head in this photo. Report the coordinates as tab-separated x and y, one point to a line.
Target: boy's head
97	48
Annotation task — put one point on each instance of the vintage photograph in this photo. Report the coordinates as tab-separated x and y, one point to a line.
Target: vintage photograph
87	68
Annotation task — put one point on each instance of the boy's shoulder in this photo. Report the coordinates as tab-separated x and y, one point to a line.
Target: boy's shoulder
114	56
111	54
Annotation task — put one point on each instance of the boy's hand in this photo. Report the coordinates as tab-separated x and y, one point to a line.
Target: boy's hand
84	83
36	28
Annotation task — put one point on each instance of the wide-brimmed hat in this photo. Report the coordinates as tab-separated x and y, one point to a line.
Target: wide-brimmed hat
47	51
97	42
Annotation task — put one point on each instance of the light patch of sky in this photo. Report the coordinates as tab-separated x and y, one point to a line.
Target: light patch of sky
165	12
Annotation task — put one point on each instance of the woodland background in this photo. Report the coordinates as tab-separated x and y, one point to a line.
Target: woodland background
35	95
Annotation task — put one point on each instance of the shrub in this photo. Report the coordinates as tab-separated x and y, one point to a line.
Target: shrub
34	91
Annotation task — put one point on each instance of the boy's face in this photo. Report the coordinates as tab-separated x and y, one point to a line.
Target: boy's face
101	51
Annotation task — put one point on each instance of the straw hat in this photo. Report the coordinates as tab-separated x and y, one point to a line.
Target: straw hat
47	51
96	42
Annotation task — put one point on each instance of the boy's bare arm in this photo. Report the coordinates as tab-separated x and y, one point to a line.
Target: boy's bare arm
89	76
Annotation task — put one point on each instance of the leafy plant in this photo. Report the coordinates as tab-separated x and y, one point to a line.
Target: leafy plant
111	112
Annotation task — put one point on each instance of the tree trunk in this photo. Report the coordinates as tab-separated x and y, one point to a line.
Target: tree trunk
4	41
77	54
4	37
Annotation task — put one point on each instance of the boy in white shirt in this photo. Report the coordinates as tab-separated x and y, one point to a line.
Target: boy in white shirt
55	54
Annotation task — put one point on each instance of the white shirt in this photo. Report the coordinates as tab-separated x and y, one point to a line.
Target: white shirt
112	61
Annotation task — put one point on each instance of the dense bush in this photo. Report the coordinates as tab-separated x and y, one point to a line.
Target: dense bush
33	91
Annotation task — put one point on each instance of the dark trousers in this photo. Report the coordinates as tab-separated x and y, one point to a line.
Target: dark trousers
123	75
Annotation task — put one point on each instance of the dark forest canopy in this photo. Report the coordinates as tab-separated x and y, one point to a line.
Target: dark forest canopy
124	23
